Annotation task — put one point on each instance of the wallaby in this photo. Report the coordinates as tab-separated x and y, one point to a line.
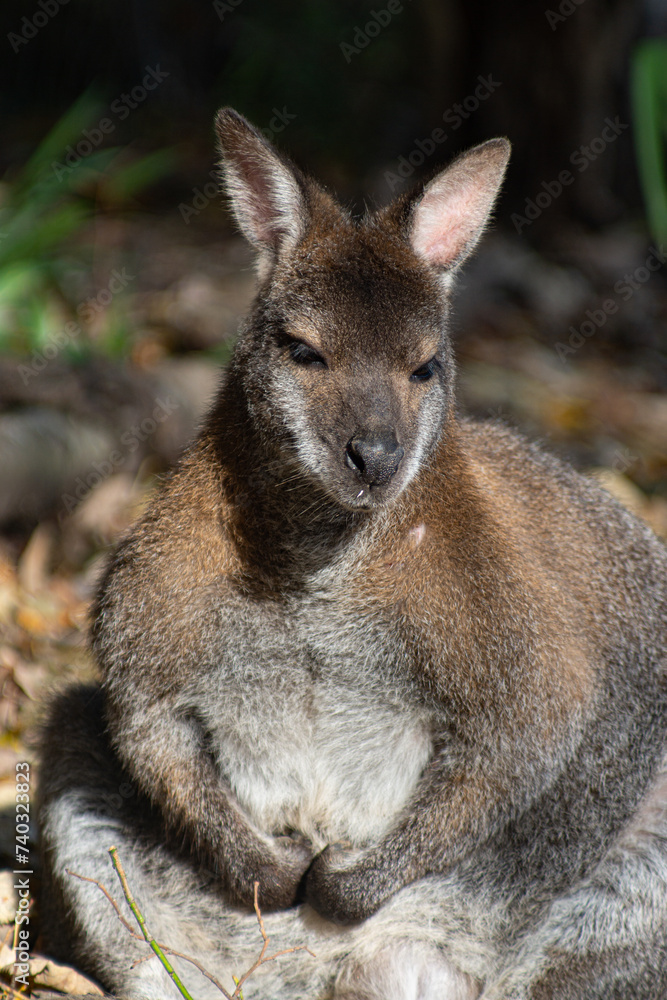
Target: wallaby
404	669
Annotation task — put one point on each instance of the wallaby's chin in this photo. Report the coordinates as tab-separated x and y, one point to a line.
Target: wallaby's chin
352	493
362	497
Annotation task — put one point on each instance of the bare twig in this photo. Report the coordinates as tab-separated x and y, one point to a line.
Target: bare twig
262	960
171	972
113	902
141	937
140	961
161	951
204	972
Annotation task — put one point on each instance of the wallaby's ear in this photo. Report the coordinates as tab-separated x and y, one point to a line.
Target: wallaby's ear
448	219
265	190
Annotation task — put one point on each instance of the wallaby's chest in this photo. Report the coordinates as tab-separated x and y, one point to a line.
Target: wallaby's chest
312	720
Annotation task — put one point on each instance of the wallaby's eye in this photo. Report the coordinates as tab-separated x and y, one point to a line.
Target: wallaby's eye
305	355
425	372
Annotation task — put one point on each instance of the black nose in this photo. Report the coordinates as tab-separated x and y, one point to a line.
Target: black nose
375	457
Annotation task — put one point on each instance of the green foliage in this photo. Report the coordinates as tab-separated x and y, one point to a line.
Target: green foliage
46	208
649	98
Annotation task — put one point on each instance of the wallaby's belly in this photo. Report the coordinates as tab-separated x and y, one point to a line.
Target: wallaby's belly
311	732
349	766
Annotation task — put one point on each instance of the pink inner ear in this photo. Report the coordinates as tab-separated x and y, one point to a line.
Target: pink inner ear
443	246
447	221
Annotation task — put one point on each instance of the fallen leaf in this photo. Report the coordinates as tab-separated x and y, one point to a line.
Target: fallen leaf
8	897
45	972
32	621
6	956
8	761
34	562
30	678
65	979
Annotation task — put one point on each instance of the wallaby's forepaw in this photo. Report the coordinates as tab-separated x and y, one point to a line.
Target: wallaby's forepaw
346	887
280	873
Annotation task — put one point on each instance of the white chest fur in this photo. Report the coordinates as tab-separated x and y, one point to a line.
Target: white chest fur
310	725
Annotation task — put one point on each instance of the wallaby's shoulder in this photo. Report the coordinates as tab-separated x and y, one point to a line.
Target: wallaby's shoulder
159	576
568	519
531	472
184	513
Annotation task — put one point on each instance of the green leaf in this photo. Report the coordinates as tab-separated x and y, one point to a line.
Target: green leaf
649	99
67	131
124	182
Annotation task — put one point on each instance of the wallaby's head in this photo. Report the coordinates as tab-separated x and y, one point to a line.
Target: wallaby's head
345	363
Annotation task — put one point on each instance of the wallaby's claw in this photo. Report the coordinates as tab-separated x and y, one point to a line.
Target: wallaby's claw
344	893
280	876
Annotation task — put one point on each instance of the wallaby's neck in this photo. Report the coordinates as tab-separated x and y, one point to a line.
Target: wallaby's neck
285	524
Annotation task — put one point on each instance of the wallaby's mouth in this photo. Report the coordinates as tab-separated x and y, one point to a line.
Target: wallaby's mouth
363	499
364	496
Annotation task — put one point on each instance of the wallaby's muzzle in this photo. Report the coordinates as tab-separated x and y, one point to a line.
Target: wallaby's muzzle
375	457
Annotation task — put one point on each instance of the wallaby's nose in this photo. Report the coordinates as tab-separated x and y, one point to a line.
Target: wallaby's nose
374	458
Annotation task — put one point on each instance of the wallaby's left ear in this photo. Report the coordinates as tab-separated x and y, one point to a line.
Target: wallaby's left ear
449	217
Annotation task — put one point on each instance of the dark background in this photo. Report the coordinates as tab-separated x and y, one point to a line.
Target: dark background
559	76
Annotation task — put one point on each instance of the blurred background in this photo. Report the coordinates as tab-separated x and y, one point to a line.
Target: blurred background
122	281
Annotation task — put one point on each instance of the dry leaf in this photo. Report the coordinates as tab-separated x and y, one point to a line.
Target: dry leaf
33	564
46	973
6	957
65	979
8	761
30	678
8	897
32	621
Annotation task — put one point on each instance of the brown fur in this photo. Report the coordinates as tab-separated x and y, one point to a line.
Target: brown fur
496	615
